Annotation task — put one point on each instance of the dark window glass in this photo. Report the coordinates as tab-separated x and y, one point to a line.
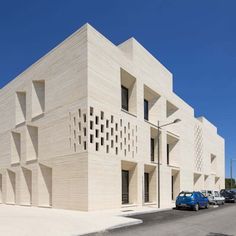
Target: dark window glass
152	149
168	153
125	98
145	109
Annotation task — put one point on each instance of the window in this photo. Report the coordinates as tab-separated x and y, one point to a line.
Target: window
38	98
125	98
168	153
152	149
145	109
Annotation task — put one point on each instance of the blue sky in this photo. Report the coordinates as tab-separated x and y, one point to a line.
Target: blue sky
194	39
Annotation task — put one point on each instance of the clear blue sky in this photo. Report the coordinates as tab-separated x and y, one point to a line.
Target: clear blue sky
194	39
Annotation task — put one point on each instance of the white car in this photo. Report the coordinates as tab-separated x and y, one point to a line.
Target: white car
214	197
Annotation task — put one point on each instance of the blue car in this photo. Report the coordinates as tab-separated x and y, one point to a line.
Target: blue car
193	200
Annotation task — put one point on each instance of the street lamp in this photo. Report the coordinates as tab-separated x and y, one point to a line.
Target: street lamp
158	153
231	173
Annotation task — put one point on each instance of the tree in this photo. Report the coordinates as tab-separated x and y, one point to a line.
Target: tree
228	183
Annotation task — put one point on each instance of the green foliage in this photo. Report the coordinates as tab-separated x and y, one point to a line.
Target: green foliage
228	183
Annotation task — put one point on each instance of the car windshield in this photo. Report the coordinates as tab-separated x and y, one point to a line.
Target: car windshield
217	194
186	194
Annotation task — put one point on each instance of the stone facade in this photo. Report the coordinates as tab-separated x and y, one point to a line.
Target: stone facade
64	138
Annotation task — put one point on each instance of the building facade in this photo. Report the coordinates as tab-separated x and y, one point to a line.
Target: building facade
79	131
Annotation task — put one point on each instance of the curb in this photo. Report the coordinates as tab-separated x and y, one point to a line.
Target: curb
122	225
145	212
136	222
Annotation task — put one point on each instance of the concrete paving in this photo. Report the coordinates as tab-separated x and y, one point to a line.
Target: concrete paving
32	221
219	221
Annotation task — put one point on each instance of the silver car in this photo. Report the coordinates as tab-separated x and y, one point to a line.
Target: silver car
214	197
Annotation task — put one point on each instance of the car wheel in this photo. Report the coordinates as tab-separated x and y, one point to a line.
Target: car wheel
196	207
177	207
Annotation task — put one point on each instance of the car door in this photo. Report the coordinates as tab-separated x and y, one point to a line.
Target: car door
201	199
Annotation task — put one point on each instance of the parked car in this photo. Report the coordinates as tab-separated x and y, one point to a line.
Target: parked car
214	197
193	200
229	195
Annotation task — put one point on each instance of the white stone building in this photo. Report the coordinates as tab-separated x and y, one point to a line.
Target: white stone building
78	131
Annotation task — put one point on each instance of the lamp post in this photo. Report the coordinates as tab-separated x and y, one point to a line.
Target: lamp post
231	173
158	154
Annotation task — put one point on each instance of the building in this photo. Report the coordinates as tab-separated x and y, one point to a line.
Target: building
78	131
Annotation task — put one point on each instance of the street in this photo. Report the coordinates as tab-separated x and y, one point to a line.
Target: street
219	221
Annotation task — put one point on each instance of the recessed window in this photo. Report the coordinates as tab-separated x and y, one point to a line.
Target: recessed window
91	124
85	146
96	120
84	131
96	133
91	111
74	121
116	151
97	146
116	138
84	118
125	98
16	148
102	141
128	92
38	98
107	123
91	138
79	139
74	147
20	107
32	143
112	131
152	149
112	143
102	115
120	122
79	113
145	109
107	148
102	128
112	119
168	153
116	127
107	136
79	126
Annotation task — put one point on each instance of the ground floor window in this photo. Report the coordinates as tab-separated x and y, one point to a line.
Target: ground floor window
125	186
146	187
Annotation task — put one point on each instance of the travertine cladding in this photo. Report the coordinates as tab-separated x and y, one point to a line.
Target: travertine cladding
64	139
198	148
110	134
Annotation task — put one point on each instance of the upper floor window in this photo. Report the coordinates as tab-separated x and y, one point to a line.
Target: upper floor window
152	149
146	109
151	104
128	92
168	153
124	98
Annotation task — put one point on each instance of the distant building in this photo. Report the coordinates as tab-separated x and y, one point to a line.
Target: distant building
78	131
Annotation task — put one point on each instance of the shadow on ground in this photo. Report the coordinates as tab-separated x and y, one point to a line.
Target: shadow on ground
218	234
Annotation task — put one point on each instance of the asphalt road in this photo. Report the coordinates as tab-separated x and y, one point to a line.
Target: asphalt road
219	221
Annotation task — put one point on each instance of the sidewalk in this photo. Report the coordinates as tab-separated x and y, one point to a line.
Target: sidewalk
28	221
